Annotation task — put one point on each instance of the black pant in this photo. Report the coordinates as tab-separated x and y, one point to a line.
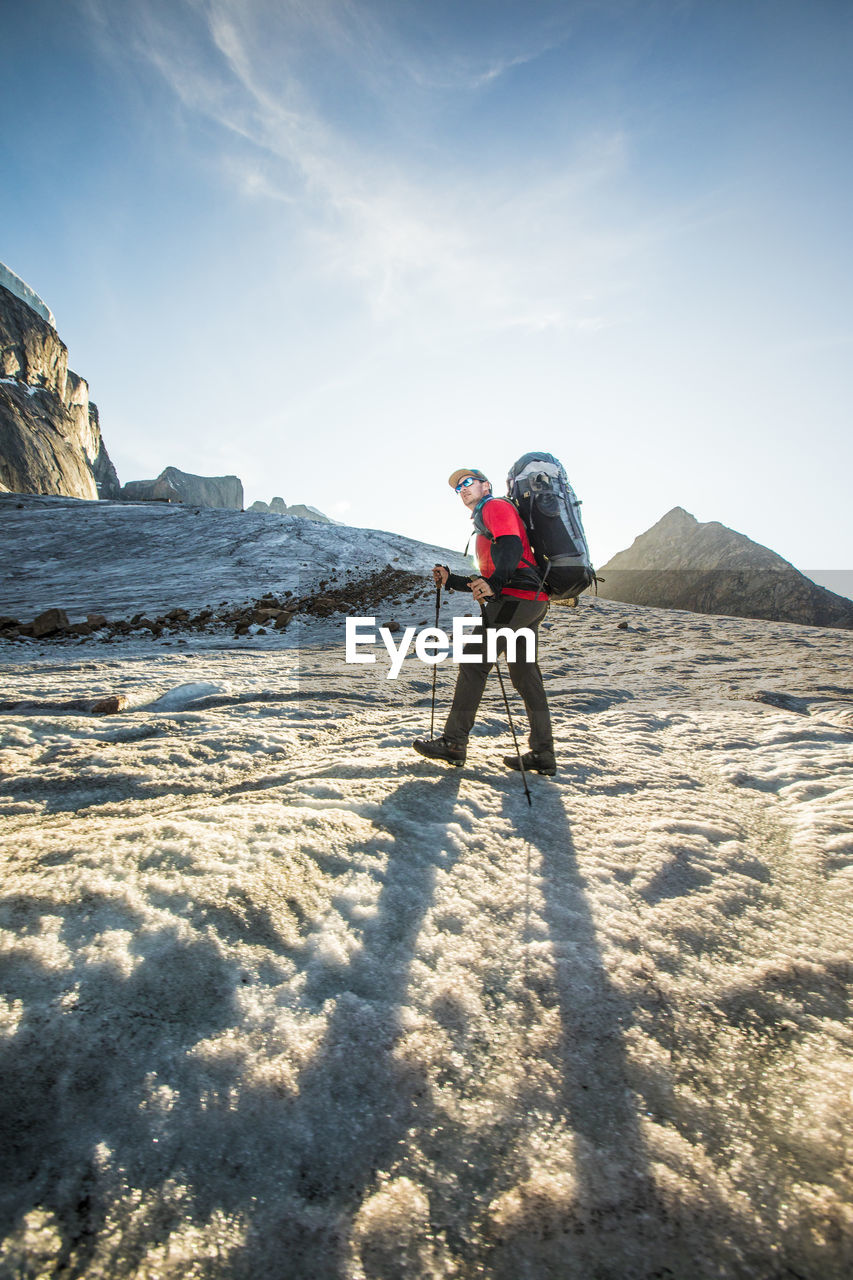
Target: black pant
505	611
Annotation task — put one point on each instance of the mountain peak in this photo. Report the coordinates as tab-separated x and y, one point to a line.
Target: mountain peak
677	516
682	563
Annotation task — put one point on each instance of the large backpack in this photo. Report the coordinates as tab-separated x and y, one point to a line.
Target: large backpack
538	487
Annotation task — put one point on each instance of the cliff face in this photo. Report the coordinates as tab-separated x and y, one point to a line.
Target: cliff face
50	436
30	349
173	485
106	476
38	453
708	568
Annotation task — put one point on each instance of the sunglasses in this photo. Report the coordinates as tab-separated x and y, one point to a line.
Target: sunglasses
463	484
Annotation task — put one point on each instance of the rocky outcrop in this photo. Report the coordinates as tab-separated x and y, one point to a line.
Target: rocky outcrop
38	453
106	476
173	485
308	513
709	568
87	429
31	350
277	506
50	436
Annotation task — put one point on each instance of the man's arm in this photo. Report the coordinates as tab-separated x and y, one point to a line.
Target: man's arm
507	551
443	577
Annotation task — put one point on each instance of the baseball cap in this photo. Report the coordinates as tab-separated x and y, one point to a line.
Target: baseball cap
466	471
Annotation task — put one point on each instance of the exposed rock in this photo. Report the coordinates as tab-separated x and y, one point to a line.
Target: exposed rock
308	513
87	430
106	476
50	435
37	451
278	506
173	485
31	350
709	568
49	621
108	706
77	404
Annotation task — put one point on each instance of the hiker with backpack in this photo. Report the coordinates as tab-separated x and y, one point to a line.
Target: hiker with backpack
509	590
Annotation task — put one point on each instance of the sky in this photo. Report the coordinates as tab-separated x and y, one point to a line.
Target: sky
342	247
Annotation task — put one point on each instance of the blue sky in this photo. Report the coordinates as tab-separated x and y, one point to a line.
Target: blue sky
341	248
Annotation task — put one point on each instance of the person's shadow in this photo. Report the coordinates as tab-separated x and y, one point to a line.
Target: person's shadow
612	1220
629	1213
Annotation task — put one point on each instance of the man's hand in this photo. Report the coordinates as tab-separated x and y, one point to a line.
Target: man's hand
440	574
480	589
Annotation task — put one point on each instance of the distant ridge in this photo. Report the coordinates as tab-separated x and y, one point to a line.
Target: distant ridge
681	563
174	485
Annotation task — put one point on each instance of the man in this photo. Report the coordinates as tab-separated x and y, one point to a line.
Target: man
507	588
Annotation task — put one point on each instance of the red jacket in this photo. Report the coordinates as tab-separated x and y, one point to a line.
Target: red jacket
503	521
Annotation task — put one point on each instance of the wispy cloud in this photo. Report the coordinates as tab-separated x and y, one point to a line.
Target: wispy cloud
488	249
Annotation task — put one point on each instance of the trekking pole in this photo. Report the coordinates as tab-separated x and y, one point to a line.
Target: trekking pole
521	768
435	664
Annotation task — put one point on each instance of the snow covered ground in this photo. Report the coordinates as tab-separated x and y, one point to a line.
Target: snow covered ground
282	999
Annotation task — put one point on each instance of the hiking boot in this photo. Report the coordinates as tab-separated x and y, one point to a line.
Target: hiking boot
440	749
534	762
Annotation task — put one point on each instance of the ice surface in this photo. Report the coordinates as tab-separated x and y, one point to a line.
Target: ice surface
282	999
121	558
184	695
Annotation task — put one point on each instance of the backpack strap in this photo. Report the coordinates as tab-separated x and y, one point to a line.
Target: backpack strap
477	517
